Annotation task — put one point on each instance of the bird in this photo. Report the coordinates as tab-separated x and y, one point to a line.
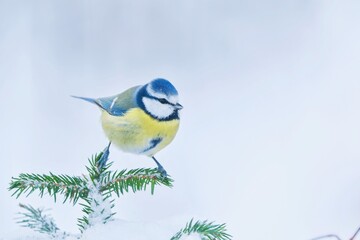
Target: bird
141	120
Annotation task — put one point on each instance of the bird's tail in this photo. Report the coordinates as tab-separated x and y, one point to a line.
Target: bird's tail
91	100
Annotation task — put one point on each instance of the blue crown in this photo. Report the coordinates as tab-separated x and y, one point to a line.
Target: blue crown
161	85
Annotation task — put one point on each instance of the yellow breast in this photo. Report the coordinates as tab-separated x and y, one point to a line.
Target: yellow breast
137	132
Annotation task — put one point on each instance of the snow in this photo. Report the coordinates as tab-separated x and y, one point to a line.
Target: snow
193	236
127	230
101	207
121	229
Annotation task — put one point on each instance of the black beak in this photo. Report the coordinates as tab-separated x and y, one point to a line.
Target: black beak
178	106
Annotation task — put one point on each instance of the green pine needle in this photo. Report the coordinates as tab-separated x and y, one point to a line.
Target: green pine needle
37	220
94	171
134	180
207	231
72	188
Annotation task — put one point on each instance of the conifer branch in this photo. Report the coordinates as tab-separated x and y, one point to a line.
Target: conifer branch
72	188
135	180
40	222
206	230
121	181
95	190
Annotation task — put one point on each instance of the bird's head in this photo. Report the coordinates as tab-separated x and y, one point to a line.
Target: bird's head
160	99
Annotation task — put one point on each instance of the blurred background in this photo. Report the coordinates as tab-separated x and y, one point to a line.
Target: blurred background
269	141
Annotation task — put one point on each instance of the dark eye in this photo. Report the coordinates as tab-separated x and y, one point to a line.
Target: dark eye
163	100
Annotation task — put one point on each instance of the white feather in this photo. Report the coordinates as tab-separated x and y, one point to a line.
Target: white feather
157	108
113	102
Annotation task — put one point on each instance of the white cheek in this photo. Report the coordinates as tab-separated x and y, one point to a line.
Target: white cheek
157	109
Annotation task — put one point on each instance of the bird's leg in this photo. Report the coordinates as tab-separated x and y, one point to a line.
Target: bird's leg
104	157
161	169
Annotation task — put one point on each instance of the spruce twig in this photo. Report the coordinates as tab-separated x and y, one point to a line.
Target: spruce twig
135	180
72	188
75	188
40	222
206	230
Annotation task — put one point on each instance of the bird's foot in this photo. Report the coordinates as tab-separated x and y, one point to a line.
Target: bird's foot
162	172
160	168
104	157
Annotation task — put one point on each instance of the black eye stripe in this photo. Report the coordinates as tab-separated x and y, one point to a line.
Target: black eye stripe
163	100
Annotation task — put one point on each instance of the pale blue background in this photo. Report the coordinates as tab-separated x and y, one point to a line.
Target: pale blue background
270	135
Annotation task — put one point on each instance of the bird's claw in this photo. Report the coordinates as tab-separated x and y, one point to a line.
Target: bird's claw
162	172
160	168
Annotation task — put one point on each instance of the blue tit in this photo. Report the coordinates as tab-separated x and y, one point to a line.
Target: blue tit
141	120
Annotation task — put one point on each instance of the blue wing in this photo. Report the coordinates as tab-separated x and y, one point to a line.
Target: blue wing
116	105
